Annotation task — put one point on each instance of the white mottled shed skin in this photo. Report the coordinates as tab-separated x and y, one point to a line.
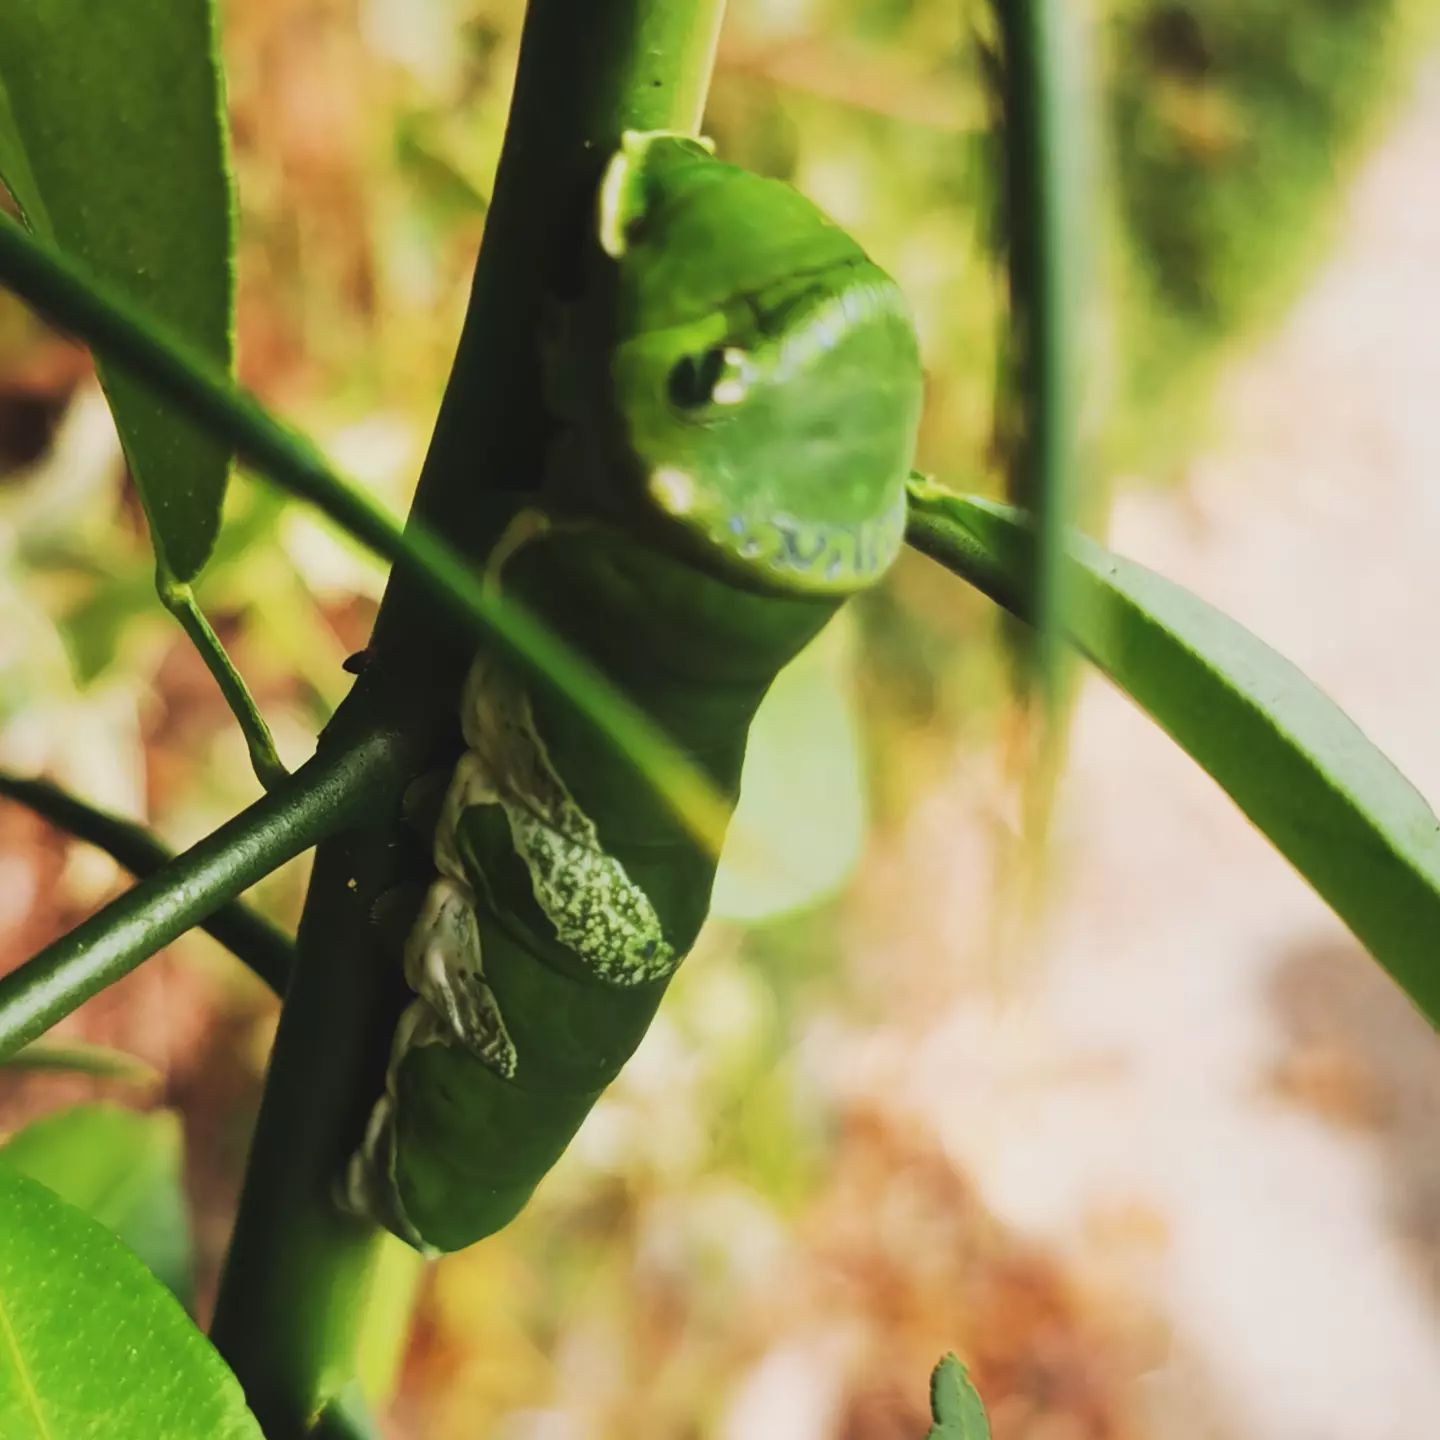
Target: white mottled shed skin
598	913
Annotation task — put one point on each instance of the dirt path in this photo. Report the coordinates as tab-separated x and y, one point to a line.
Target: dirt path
1205	1095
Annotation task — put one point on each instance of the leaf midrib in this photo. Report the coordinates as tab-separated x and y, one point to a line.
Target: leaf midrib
27	1384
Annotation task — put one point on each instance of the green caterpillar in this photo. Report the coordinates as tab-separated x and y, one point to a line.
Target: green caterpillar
739	389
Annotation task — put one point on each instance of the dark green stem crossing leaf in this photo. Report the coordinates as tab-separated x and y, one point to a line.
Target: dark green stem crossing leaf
92	1346
1295	763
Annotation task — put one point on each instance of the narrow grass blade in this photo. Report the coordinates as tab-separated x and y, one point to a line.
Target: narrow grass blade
1048	174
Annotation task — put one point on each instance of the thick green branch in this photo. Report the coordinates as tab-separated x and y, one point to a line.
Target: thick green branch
298	1275
332	791
247	934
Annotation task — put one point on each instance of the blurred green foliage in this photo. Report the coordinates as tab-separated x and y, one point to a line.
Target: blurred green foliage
365	141
122	1168
1232	128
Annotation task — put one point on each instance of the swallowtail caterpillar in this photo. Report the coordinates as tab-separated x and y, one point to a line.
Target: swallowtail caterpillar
739	389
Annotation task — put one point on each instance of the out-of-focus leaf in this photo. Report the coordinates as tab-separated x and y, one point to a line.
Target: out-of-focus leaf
113	143
955	1405
121	1168
82	1059
451	192
800	822
1293	761
1046	125
91	1346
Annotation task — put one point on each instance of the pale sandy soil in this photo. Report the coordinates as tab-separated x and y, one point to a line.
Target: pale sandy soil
1204	1095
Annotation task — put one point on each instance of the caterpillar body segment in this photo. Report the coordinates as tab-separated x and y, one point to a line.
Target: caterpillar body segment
738	406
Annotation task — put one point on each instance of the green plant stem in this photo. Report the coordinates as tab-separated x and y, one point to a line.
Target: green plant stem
179	599
247	934
331	791
59	288
1048	176
298	1275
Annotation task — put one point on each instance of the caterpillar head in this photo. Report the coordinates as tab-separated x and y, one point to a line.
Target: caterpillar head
764	379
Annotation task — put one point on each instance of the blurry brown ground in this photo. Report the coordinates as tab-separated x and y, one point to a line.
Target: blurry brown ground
673	1301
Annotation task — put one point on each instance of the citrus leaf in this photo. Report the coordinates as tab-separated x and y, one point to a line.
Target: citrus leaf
92	1347
113	144
955	1405
1294	762
121	1168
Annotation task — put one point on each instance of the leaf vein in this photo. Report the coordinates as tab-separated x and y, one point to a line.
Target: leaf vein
27	1385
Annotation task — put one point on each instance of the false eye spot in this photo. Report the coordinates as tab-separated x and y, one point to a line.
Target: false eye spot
693	379
673	490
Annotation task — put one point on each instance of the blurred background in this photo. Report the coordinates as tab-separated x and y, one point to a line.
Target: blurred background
1158	1159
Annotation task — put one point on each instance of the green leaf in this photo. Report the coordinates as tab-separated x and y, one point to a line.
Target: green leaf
91	1346
799	826
1293	761
955	1405
113	143
121	1168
